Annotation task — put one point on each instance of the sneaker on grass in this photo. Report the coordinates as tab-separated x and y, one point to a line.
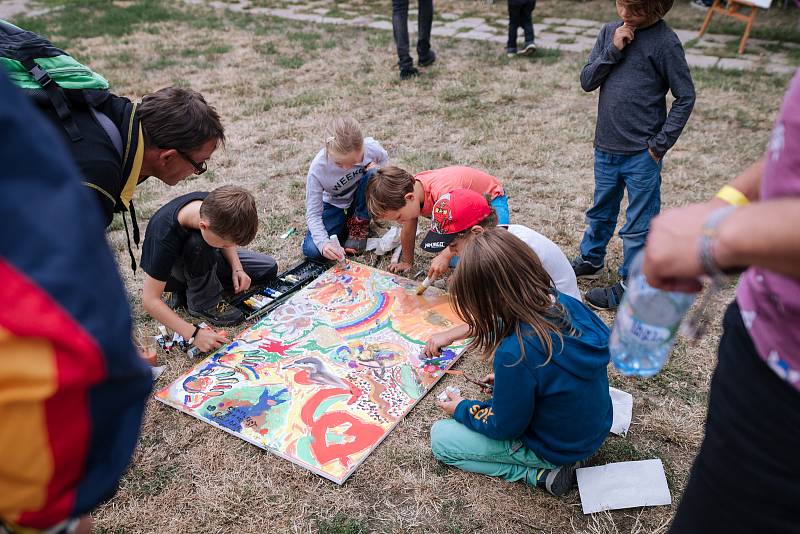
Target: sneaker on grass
605	298
557	481
584	269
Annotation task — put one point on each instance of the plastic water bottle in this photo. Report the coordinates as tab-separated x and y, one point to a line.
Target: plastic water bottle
646	325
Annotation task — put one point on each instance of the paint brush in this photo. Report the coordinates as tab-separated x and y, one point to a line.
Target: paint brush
483	385
424	285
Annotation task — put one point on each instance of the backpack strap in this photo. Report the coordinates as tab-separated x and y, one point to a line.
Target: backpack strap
108	126
56	96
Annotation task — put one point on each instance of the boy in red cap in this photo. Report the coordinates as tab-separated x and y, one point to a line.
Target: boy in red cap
460	215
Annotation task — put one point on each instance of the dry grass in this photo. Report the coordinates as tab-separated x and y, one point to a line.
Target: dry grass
526	121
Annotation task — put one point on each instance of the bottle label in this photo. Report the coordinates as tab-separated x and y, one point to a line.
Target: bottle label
645	333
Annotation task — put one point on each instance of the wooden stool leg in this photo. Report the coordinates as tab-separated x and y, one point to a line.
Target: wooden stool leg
710	14
743	42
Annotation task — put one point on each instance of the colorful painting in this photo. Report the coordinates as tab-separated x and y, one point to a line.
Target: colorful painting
325	377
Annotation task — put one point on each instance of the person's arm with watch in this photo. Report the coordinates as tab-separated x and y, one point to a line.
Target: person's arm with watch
205	339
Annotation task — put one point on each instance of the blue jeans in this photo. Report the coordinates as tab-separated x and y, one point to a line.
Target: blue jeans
335	219
613	174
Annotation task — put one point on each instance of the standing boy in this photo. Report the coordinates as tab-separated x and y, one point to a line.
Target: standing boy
635	61
190	250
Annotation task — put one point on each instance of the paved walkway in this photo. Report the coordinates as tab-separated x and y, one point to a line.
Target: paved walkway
571	35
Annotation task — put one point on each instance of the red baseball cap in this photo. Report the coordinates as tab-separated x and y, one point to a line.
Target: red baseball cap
454	212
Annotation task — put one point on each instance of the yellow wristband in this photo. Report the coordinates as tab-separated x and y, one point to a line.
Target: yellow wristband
732	196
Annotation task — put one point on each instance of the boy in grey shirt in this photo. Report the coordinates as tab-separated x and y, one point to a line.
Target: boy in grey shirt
635	61
335	186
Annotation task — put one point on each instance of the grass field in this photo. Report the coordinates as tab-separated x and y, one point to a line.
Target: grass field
527	121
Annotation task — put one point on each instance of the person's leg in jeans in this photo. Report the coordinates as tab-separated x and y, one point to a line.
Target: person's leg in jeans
527	21
425	55
514	22
400	30
642	177
334	220
601	218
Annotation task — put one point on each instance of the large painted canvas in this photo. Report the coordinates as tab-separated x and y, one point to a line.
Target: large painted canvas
324	378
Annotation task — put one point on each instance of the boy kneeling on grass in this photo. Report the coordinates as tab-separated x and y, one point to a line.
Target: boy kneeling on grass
550	408
190	250
394	194
462	214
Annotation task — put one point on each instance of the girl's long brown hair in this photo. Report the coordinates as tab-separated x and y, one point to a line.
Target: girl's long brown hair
498	285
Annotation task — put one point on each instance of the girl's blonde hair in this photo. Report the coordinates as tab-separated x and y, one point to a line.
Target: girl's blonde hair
499	285
342	136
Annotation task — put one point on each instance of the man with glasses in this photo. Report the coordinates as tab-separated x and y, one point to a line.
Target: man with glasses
169	135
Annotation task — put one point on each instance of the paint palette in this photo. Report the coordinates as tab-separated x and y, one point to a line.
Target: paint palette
264	298
324	377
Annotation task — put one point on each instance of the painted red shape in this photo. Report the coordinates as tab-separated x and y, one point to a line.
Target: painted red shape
364	434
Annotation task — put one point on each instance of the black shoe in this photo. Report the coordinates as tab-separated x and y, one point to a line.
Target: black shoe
428	61
605	298
699	4
410	72
584	269
223	314
175	300
557	481
528	49
511	51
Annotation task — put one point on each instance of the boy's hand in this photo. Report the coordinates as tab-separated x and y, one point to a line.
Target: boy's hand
623	36
400	267
449	406
207	340
653	155
435	344
330	251
241	281
439	266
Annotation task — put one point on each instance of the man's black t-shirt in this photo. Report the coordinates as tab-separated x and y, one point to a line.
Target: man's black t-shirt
165	237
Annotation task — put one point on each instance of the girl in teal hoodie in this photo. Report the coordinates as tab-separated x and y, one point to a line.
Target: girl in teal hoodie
550	407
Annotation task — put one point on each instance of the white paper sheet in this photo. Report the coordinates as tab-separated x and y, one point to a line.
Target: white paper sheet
623	410
623	485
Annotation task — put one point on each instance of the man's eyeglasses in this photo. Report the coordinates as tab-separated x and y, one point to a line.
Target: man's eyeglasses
199	168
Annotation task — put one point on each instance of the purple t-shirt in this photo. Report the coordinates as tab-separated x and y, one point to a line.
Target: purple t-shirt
770	302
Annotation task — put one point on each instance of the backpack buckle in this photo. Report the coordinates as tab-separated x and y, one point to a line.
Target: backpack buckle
41	76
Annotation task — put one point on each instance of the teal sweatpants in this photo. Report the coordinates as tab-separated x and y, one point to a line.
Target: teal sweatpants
459	446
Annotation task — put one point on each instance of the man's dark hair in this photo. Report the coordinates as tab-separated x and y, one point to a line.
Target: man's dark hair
179	118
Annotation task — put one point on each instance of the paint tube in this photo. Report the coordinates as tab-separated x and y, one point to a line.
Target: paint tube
450	389
290	278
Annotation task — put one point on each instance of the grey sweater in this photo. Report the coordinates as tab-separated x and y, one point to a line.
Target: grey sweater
336	186
632	112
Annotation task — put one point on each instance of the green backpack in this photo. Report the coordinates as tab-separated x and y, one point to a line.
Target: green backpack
54	79
35	65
